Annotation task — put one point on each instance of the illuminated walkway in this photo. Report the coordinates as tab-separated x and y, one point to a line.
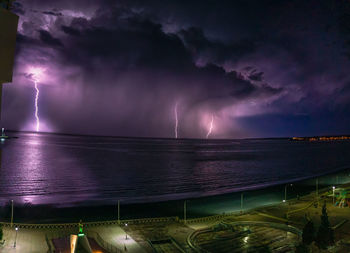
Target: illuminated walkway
33	241
28	241
155	230
115	236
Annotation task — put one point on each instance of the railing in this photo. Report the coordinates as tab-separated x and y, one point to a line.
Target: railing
40	226
280	226
89	224
208	218
194	235
339	224
300	209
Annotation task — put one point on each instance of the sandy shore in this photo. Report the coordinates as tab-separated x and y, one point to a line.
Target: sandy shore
199	207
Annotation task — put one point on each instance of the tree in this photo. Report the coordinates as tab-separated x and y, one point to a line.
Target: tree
308	233
325	235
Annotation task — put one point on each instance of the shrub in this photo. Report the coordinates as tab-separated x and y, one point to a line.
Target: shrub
301	248
308	233
325	235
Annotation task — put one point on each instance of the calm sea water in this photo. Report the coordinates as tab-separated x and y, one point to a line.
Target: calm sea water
75	170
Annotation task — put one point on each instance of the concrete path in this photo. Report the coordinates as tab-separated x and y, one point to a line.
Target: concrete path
28	241
201	225
115	236
32	241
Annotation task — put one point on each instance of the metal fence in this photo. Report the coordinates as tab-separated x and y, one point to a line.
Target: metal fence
89	224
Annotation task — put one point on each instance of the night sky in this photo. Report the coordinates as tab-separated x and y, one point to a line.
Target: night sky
257	68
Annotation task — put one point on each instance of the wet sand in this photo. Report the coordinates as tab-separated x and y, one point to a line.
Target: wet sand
199	207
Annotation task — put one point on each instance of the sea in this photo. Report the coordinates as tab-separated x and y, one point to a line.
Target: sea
71	170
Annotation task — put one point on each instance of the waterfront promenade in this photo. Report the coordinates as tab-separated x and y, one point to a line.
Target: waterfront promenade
174	235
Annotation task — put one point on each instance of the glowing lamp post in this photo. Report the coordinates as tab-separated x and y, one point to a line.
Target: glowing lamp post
333	193
285	192
11	213
118	212
14	244
126	235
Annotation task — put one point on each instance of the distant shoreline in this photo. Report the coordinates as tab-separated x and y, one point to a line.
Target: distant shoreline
148	138
302	138
322	138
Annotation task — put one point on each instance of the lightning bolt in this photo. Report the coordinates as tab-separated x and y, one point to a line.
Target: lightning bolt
36	73
176	121
36	105
211	126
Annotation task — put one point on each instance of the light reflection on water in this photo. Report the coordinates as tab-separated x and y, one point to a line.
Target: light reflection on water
46	168
34	177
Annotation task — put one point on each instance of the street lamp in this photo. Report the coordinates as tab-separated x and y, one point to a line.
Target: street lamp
14	244
11	213
285	192
126	235
333	193
185	210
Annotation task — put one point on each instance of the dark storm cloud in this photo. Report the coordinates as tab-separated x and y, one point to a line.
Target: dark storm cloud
343	16
256	76
52	13
48	39
237	85
136	42
216	51
140	44
119	67
24	40
70	30
17	8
